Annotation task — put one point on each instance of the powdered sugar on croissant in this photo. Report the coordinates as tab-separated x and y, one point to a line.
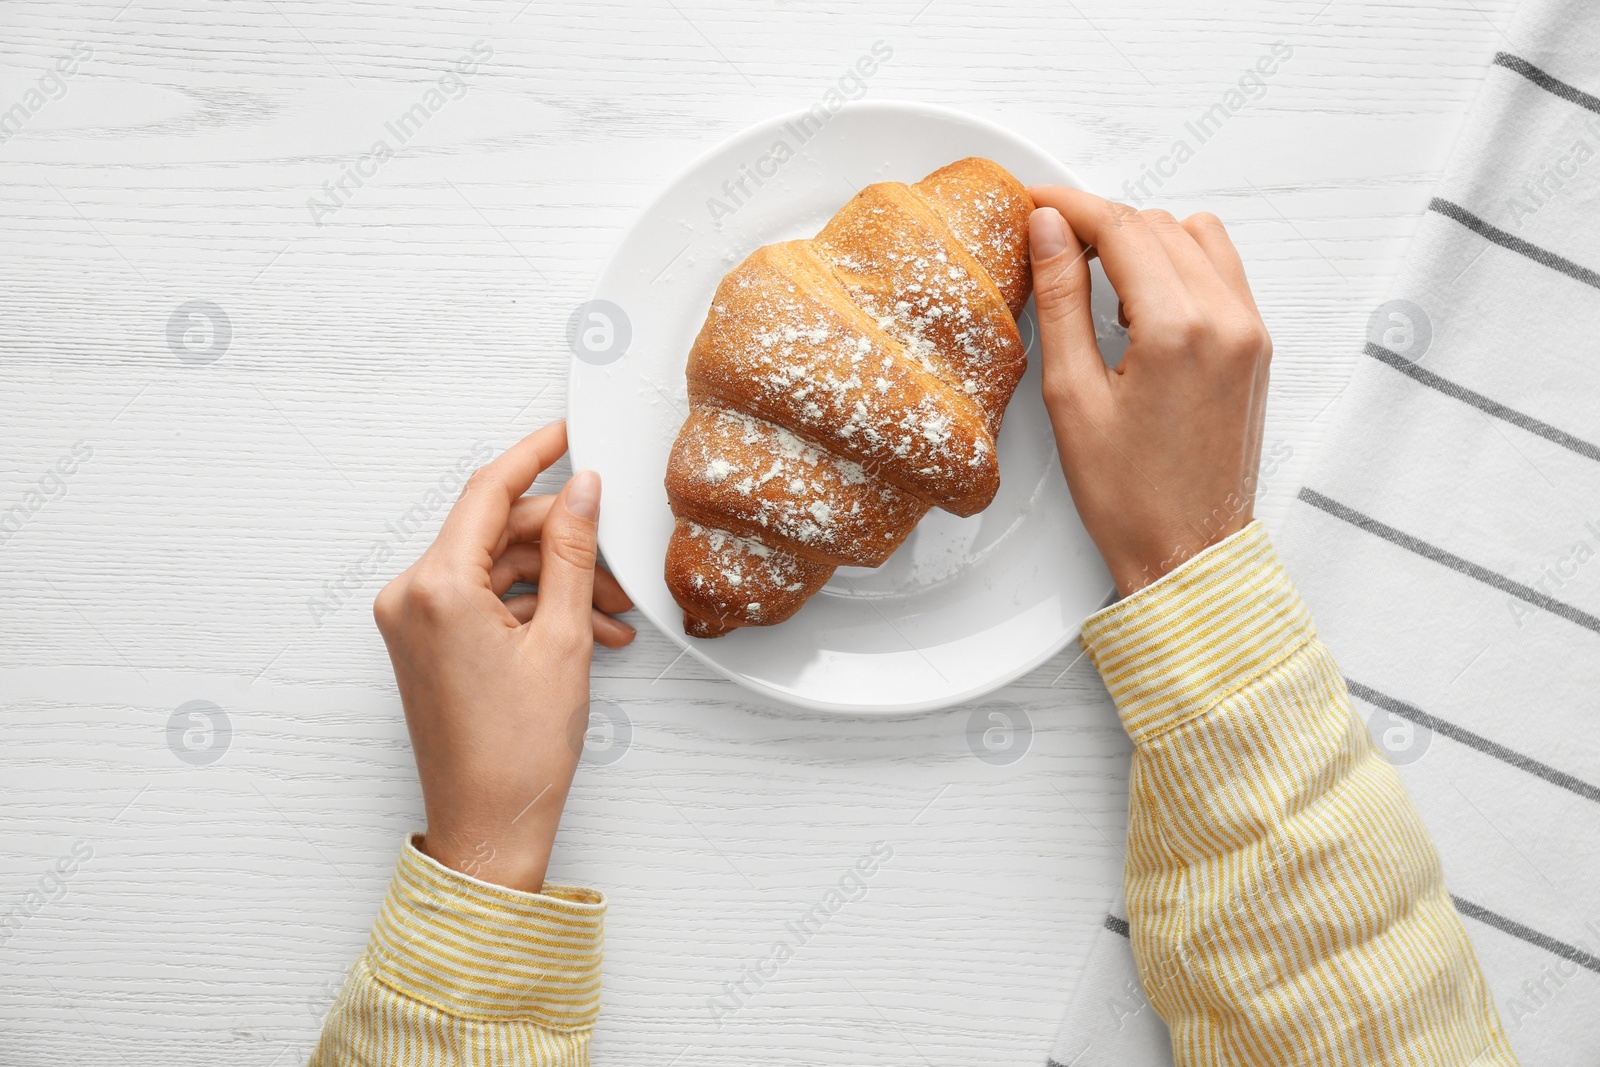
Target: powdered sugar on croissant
841	387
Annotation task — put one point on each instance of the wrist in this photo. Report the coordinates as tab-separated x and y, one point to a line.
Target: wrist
496	819
1139	570
514	861
519	867
1138	563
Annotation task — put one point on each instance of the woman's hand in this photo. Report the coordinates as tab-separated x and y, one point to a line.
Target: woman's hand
1160	454
496	692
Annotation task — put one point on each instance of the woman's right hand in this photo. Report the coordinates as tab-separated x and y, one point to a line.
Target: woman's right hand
1161	453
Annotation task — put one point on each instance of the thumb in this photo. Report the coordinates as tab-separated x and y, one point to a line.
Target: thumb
1072	360
567	557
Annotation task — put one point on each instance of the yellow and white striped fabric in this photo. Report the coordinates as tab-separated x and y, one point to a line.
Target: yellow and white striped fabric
1285	903
461	972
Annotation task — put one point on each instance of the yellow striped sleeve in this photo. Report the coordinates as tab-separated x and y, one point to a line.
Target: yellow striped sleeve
1285	902
460	971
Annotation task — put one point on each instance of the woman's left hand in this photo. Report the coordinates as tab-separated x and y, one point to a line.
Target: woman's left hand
496	693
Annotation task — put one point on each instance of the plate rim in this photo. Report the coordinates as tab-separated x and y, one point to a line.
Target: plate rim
683	641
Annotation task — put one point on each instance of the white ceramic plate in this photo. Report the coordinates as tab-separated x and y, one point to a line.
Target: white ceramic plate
965	605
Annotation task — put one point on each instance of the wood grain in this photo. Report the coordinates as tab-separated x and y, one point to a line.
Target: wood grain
425	318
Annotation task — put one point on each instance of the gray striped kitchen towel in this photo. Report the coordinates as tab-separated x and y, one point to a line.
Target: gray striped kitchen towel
1448	544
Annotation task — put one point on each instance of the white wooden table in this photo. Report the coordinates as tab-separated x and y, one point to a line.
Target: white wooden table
215	505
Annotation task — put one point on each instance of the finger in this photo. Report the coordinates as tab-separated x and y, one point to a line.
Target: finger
527	517
1061	299
1135	260
1191	261
1212	237
522	606
567	554
518	563
526	521
522	562
477	522
608	593
612	633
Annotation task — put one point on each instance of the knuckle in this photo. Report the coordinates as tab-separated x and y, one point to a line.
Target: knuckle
429	594
386	606
1158	216
1205	220
1059	291
1117	215
575	547
1056	387
566	640
1186	326
1246	339
480	480
1193	334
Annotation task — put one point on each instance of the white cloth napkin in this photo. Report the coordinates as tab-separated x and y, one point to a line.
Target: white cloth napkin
1448	544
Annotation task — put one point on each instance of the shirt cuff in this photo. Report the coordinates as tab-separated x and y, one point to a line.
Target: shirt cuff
485	952
1174	650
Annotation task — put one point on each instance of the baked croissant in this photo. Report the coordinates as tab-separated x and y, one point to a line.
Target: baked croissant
841	387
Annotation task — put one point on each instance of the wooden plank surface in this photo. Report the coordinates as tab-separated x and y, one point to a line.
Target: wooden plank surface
211	505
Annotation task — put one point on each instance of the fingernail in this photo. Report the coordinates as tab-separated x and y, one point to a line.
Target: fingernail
583	495
1047	233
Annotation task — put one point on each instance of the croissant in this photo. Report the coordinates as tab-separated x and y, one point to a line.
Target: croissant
843	386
